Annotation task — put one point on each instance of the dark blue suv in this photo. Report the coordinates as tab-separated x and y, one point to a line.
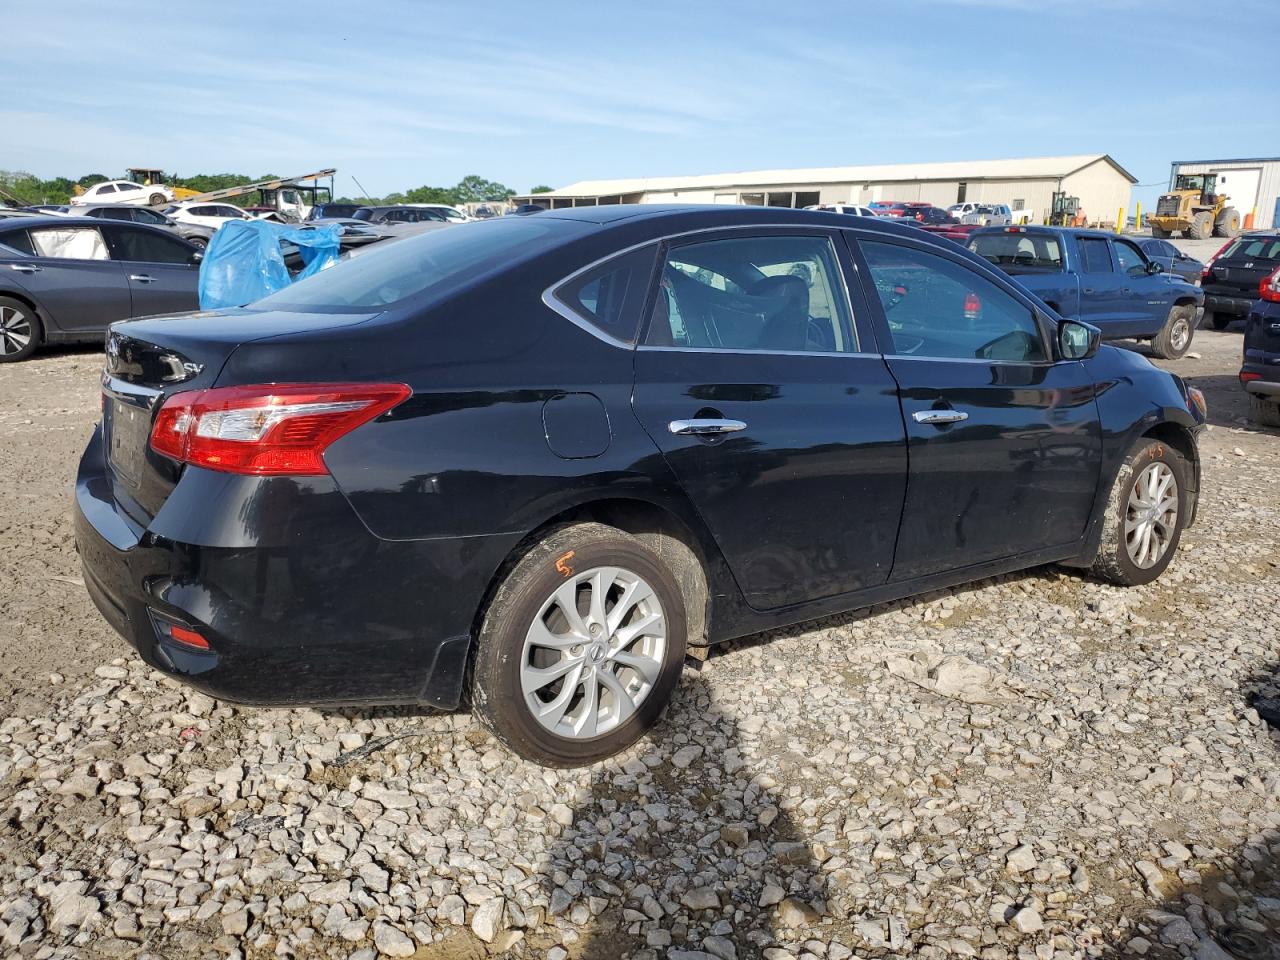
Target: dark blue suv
541	459
1260	372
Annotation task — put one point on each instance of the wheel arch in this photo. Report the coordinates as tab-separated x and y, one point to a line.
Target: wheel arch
1181	439
680	541
27	300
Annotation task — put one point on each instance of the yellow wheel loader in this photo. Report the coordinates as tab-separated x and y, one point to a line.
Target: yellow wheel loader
1195	209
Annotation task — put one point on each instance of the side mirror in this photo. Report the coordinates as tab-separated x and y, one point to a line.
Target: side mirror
1077	341
195	258
1153	268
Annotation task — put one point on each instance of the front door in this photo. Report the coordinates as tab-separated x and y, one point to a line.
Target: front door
774	411
1004	443
159	269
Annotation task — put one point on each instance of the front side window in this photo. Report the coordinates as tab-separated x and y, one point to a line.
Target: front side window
143	215
107	188
774	293
610	296
937	307
1095	257
1131	260
145	246
71	243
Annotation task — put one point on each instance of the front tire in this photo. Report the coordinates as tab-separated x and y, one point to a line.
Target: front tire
1201	226
1174	339
1264	411
156	199
581	647
1228	223
1161	234
1145	515
20	330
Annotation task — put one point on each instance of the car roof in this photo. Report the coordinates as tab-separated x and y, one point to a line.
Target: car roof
64	222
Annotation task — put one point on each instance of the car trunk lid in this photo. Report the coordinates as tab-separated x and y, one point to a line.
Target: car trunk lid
150	360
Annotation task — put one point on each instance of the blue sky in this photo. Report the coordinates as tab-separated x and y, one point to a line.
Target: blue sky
401	94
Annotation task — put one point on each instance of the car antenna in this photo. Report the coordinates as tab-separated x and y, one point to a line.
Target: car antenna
363	191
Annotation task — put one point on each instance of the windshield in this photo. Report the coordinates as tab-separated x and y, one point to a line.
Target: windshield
438	261
1034	251
1252	248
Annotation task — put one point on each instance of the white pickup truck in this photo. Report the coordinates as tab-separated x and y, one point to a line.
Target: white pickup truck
990	214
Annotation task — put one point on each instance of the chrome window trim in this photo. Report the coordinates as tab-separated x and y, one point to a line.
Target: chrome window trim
550	299
750	350
1000	363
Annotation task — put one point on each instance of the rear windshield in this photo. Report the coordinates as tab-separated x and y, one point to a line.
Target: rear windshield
1252	248
438	261
1026	251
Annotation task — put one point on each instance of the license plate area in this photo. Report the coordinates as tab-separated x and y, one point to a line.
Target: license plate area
128	426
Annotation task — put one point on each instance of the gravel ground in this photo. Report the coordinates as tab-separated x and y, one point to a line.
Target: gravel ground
1036	766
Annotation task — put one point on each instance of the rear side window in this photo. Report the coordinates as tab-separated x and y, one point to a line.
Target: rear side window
936	307
1095	257
72	243
610	297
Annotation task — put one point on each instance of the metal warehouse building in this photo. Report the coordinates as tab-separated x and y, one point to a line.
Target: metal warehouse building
1252	184
1028	185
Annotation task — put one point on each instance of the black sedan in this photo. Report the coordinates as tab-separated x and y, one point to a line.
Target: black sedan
196	233
1171	258
65	279
548	456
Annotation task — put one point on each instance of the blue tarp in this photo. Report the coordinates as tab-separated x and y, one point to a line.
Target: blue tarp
244	262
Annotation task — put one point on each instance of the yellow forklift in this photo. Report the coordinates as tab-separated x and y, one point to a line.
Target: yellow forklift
1195	209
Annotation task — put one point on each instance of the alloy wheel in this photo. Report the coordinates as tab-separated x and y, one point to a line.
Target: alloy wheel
1179	334
593	653
15	330
1151	515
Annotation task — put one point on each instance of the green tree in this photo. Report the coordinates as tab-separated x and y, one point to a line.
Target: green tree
425	194
541	188
474	189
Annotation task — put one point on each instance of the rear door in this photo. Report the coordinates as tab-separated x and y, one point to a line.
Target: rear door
160	270
762	386
1004	443
1101	289
69	273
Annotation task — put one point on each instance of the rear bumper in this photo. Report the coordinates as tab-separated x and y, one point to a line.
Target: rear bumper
1218	303
317	612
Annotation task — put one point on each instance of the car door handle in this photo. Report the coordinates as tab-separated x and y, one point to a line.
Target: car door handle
939	416
684	428
142	278
25	267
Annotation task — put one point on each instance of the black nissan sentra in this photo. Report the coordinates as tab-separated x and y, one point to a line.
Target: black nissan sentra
536	461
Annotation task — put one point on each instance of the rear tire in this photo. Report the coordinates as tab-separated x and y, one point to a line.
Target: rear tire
568	688
20	330
1128	554
1264	411
1174	340
1228	223
1201	226
1161	234
1219	321
156	199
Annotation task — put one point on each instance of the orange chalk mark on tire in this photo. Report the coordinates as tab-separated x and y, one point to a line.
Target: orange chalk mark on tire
562	564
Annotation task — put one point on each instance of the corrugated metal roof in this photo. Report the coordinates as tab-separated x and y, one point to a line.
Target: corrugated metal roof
1033	167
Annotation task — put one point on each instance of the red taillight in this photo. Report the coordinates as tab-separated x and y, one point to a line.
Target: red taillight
1208	264
1246	377
1015	229
265	430
1269	287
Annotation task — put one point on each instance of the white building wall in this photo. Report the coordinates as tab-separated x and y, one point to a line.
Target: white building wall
1102	192
1265	195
